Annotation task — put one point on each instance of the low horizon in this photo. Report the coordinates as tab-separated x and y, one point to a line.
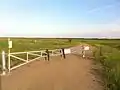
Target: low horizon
60	37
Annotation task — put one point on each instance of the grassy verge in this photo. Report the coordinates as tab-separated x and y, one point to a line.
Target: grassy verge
108	56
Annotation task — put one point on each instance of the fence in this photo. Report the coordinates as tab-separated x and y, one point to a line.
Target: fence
8	67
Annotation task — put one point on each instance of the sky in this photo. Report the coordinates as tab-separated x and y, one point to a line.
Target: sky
60	18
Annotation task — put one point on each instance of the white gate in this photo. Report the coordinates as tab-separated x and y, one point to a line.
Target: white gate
26	59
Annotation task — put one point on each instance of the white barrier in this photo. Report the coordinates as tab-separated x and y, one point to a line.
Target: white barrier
3	63
43	53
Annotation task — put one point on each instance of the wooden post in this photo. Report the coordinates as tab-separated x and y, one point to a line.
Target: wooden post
94	53
48	56
63	52
82	47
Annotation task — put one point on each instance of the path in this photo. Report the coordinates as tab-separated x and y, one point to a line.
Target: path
72	73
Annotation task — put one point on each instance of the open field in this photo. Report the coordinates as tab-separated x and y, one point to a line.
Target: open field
28	44
32	44
115	43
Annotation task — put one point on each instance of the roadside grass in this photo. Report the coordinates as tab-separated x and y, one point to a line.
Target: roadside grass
108	55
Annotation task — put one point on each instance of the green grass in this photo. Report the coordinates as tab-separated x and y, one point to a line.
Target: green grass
108	55
115	43
25	44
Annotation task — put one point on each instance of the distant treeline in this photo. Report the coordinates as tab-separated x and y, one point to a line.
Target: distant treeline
4	38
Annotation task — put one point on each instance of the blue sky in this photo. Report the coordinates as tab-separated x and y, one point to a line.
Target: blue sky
60	18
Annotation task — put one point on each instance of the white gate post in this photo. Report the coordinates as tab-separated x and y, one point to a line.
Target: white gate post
9	62
3	63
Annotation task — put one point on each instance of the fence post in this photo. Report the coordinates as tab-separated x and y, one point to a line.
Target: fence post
48	56
94	53
63	52
83	52
3	63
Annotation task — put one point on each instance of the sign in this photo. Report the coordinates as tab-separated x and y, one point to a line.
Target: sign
10	44
67	51
86	48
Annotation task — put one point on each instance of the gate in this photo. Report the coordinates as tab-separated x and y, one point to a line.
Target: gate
83	51
18	59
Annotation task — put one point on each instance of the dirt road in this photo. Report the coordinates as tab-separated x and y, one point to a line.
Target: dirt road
72	73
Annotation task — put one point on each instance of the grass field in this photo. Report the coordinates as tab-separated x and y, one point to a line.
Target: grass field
30	44
115	43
